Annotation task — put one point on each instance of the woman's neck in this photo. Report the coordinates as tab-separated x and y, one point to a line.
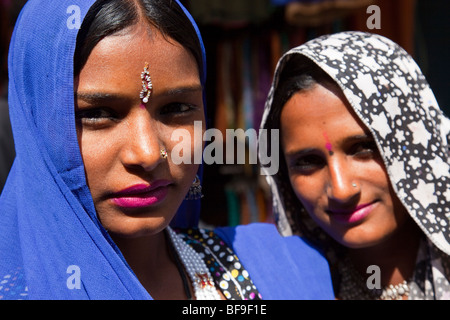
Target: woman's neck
395	257
151	261
143	253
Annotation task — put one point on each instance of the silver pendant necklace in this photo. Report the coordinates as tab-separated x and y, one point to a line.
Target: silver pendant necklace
201	279
354	287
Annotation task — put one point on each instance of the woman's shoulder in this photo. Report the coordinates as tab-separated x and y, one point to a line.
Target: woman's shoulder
257	234
293	269
265	235
229	274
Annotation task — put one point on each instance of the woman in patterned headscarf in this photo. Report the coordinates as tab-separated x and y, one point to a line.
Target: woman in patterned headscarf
364	165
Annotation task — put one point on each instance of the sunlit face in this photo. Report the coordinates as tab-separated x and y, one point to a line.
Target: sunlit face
336	171
136	191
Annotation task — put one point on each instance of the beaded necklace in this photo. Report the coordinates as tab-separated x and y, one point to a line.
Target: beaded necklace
353	287
202	281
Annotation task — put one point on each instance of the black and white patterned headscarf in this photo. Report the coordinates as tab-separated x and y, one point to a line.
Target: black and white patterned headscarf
391	96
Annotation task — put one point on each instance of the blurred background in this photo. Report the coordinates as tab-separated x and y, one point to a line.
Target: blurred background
244	40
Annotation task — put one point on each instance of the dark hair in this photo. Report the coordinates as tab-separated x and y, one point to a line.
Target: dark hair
106	17
299	74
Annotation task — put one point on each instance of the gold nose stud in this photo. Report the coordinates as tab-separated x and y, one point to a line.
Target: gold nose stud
163	153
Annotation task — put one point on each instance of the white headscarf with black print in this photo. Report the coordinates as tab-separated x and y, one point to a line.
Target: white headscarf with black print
391	96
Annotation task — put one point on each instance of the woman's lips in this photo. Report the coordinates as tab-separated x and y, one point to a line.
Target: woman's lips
142	195
354	215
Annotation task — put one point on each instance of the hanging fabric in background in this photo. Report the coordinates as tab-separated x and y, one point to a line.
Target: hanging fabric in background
7	153
230	13
244	70
224	106
247	202
313	13
247	80
321	3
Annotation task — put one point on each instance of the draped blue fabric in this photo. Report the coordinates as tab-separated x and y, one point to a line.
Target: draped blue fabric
282	268
48	222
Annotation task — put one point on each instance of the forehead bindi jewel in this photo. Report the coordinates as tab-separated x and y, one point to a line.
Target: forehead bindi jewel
147	85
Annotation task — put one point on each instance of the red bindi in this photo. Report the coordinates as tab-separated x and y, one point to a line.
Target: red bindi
328	144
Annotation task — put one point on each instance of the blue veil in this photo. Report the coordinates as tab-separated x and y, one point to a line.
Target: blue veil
49	230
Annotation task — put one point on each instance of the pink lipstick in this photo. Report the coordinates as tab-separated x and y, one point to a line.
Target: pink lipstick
142	195
355	215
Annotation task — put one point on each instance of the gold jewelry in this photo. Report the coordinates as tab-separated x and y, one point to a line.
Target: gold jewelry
147	85
163	153
201	278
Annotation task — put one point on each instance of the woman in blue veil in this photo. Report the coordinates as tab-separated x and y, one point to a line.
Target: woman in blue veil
56	238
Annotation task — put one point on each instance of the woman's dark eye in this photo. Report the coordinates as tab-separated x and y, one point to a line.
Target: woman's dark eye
307	164
365	150
177	108
95	116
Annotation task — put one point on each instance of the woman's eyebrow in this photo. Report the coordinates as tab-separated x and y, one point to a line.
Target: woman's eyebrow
301	152
99	97
181	90
358	137
102	97
350	139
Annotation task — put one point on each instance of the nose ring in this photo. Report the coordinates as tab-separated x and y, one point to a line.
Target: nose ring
354	185
163	153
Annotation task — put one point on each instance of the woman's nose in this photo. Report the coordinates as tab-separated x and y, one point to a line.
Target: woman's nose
141	147
342	185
